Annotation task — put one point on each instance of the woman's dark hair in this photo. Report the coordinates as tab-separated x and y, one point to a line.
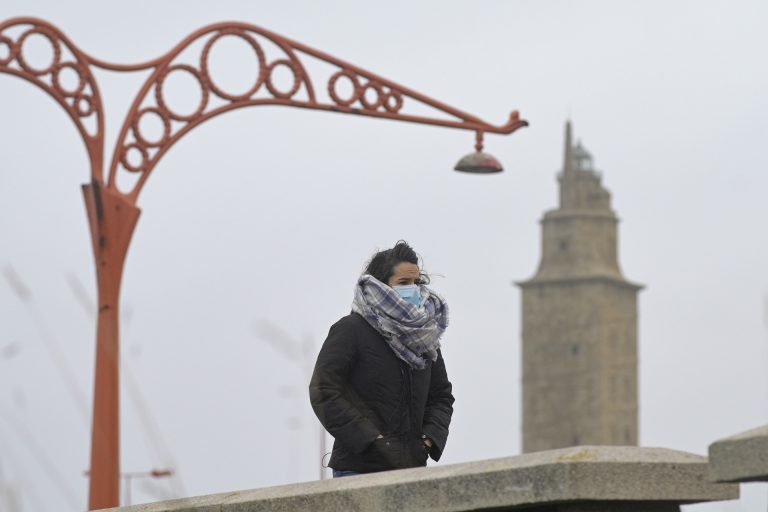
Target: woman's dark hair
383	263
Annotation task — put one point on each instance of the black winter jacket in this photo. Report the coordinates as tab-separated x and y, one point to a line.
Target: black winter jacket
360	389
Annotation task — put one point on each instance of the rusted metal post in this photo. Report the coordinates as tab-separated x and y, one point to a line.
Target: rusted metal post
112	212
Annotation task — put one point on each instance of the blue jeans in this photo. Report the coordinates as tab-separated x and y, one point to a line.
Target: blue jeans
340	473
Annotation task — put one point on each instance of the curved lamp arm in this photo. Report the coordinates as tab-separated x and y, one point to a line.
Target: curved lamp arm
372	96
82	102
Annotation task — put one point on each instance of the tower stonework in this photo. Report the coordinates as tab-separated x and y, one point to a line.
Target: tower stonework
579	322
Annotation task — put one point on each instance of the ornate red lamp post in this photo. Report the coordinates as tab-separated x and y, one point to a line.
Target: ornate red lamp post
112	211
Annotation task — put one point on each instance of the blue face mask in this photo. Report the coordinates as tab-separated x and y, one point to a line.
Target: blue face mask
409	293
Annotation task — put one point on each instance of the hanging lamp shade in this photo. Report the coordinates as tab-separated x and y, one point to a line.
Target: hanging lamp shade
479	162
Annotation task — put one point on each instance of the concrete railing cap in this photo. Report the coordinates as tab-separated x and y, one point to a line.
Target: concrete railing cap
740	458
585	474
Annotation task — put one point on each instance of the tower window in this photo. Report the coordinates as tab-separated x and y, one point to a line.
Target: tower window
575	349
563	245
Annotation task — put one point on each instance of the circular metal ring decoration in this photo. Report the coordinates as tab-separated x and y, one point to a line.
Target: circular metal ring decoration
259	55
57	84
54	45
296	80
143	141
144	155
357	90
398	101
7	41
376	87
203	90
84	99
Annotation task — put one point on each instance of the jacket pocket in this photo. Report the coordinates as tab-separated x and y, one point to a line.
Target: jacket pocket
385	452
419	452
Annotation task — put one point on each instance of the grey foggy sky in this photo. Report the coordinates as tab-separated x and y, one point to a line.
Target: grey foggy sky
268	214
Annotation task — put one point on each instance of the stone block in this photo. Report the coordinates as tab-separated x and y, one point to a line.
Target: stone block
580	479
740	458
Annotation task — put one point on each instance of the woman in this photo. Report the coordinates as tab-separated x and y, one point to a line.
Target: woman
379	385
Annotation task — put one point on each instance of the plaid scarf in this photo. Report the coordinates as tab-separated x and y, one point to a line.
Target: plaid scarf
412	332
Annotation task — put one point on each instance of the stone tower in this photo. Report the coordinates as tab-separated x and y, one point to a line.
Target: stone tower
579	328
